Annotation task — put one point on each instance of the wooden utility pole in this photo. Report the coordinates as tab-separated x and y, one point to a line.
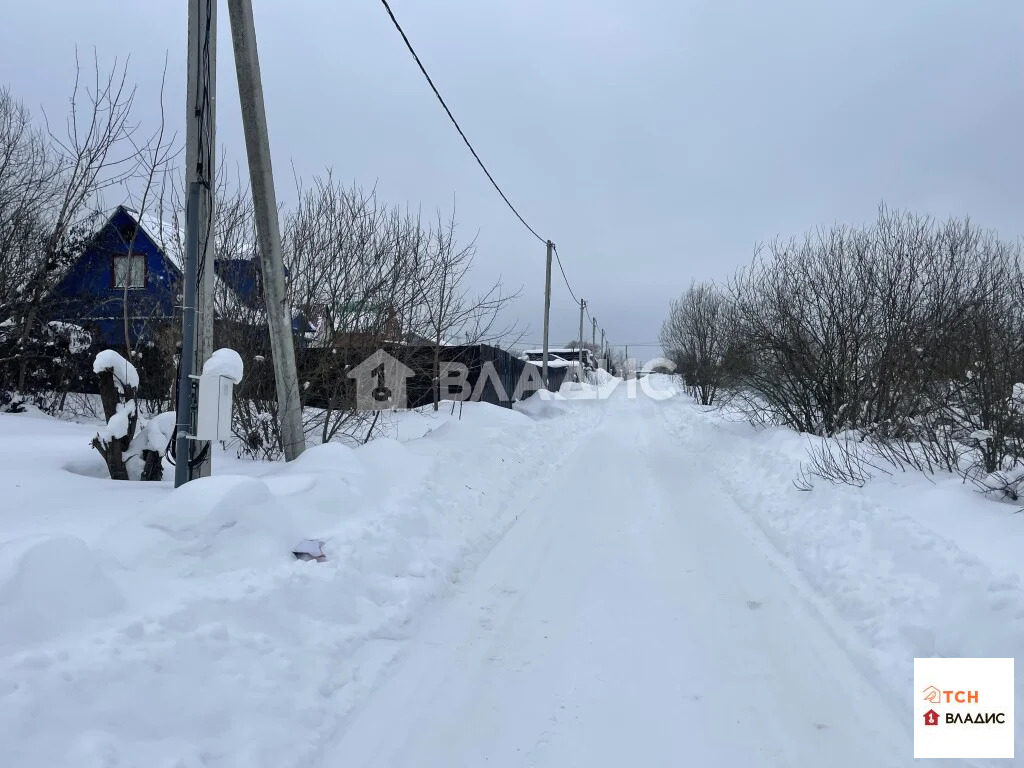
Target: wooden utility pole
547	314
593	334
604	349
200	170
268	232
583	308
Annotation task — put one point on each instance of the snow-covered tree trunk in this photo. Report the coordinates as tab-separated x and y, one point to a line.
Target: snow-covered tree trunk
122	419
126	436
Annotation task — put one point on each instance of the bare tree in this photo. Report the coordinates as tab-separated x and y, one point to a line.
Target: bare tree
447	306
352	264
27	166
699	337
92	153
154	158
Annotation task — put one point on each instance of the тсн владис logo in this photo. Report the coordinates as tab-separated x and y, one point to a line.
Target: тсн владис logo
968	715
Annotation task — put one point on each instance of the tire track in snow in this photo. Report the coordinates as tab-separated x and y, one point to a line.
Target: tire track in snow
631	640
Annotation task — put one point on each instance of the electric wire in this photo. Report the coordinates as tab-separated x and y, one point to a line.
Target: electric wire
455	122
469	145
566	279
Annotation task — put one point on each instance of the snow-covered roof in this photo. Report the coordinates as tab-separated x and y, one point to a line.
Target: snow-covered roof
167	235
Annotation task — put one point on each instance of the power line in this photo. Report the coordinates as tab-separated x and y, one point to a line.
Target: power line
562	270
455	122
465	139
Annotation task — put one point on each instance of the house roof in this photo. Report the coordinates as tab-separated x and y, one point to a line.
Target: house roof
554	351
237	287
244	277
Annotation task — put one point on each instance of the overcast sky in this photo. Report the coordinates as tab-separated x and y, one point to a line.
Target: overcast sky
655	141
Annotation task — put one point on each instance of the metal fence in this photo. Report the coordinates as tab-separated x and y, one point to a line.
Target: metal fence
492	375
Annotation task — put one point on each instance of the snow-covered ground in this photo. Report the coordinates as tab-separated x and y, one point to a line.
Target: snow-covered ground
143	626
597	580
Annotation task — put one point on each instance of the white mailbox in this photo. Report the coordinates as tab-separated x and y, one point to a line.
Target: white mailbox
213	417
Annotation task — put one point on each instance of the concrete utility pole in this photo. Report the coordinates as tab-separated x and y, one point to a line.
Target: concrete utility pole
627	363
593	334
184	417
583	307
547	314
261	178
201	169
604	349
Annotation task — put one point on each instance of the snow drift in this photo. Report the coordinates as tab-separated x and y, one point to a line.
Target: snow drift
147	626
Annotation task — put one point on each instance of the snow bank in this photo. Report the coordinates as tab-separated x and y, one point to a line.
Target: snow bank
51	585
899	580
544	405
330	457
589	390
125	373
225	362
177	628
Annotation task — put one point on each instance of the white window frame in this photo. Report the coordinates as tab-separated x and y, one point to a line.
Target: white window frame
136	265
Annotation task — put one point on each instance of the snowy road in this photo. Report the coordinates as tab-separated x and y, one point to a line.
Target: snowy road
632	616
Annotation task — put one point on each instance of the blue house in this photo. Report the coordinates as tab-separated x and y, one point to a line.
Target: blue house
123	266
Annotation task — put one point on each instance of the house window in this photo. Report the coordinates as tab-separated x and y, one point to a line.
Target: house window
130	271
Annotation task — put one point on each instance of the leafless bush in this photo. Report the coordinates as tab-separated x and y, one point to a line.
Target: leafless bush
257	428
854	328
352	262
699	337
907	333
843	461
362	276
